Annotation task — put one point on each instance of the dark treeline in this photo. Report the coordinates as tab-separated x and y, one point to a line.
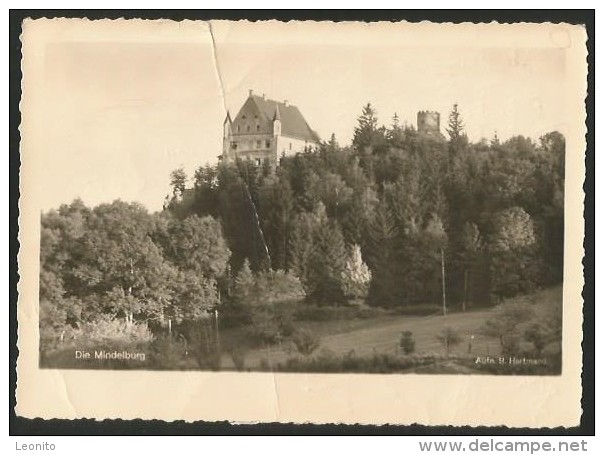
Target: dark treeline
491	211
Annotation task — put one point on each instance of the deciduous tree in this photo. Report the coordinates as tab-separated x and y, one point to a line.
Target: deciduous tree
356	276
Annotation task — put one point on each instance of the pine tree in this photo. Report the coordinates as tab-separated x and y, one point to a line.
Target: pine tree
366	129
275	211
319	255
244	282
456	126
495	140
301	248
396	134
458	138
405	202
382	234
333	143
329	261
395	122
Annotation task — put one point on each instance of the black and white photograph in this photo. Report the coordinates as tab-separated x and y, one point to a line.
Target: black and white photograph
308	198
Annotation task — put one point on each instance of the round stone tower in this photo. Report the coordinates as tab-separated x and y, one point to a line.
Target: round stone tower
428	122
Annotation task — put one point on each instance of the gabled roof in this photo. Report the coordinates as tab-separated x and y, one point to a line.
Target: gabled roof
292	121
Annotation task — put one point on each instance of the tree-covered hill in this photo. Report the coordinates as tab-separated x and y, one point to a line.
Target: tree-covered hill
399	220
491	211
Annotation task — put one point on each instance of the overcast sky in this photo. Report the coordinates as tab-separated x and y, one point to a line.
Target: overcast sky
113	108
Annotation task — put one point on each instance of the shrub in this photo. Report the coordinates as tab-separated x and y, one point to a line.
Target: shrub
263	301
203	344
114	331
510	344
306	342
238	356
279	286
271	323
449	337
547	331
52	318
328	362
266	287
264	364
407	343
168	353
505	323
235	314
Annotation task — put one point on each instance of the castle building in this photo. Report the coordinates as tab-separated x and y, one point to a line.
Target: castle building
428	124
265	129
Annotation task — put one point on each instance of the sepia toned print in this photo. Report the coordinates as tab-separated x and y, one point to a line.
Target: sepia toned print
329	206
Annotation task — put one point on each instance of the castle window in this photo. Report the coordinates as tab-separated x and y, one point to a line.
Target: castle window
248	128
258	161
290	145
233	145
238	129
257	127
268	144
258	144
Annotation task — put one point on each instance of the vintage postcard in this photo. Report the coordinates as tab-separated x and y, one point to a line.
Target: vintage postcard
302	222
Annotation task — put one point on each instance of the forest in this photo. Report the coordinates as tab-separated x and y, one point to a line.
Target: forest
243	255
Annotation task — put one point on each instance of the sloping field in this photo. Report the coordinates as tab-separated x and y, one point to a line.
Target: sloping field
382	335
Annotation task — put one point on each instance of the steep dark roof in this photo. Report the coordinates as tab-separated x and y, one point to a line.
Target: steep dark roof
292	121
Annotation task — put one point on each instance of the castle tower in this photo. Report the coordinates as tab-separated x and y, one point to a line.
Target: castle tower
226	126
277	122
277	126
428	122
227	133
